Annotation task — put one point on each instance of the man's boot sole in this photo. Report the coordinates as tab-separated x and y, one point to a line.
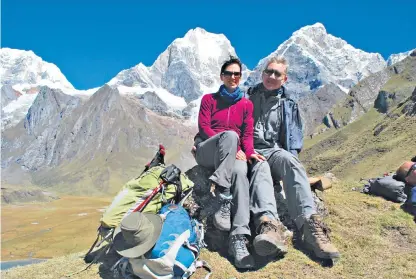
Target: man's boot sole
265	246
321	254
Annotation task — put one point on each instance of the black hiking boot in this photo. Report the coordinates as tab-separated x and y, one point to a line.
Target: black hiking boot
221	208
237	249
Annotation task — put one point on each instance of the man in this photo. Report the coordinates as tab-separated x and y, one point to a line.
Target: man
278	136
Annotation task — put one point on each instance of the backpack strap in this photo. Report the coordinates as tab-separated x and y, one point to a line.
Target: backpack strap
122	269
195	265
172	175
249	92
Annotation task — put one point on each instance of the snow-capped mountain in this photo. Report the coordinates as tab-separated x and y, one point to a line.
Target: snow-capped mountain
317	58
190	65
189	68
186	70
22	74
23	70
103	135
394	58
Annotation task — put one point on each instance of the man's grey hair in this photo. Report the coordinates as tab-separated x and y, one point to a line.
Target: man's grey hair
277	60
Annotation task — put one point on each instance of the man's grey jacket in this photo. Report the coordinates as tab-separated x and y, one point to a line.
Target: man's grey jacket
277	120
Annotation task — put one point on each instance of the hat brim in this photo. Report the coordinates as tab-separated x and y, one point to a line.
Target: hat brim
129	251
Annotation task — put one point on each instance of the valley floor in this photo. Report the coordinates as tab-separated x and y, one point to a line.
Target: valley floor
47	230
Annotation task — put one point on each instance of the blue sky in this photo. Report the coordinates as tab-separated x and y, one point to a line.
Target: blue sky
92	40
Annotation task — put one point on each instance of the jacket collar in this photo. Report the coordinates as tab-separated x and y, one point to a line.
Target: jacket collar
282	92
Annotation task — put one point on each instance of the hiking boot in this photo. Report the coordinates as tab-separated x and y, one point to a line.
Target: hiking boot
238	250
270	237
222	218
316	238
222	207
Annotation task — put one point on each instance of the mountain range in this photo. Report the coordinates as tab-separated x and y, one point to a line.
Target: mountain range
90	141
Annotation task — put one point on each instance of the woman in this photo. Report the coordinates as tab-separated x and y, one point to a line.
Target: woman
225	125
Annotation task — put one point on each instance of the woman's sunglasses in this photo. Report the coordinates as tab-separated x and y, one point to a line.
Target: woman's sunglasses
270	72
230	74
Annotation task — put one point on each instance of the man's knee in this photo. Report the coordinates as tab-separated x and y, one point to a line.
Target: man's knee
287	158
262	168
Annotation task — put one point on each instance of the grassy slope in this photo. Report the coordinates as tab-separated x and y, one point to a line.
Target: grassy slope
354	152
376	238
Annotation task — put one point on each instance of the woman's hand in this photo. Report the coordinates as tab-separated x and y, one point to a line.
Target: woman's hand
241	156
257	157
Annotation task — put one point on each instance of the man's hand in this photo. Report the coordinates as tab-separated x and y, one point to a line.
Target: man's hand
257	157
193	151
241	156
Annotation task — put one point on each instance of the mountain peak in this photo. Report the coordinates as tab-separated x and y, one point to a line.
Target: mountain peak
317	58
197	30
25	67
312	30
397	57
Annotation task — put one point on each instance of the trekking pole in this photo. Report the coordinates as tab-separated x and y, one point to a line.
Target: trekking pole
170	175
141	206
158	159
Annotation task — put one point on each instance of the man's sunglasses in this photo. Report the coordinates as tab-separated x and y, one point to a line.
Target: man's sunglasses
412	168
270	72
230	74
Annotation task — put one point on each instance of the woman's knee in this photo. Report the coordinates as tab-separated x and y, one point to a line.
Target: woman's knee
229	136
240	169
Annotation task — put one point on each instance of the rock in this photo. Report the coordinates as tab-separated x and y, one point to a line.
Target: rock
201	202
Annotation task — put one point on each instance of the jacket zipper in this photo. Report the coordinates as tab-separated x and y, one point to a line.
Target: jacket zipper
228	118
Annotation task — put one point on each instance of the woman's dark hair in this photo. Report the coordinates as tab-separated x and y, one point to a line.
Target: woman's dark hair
232	60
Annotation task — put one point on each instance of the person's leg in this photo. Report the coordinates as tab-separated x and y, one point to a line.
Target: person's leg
262	199
285	166
240	210
240	217
301	206
218	153
270	231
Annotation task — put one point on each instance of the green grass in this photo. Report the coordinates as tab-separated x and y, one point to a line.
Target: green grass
375	237
354	151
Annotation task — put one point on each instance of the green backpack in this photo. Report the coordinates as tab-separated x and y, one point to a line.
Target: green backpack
136	191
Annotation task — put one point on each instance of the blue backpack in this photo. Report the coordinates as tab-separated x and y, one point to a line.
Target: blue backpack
175	254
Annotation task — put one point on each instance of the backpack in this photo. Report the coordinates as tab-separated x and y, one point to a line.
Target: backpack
176	252
137	190
386	187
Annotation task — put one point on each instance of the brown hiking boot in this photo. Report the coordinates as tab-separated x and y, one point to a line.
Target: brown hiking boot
316	238
270	237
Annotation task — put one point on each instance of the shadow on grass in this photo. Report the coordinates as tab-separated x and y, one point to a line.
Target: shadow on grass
410	209
218	241
105	261
298	245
